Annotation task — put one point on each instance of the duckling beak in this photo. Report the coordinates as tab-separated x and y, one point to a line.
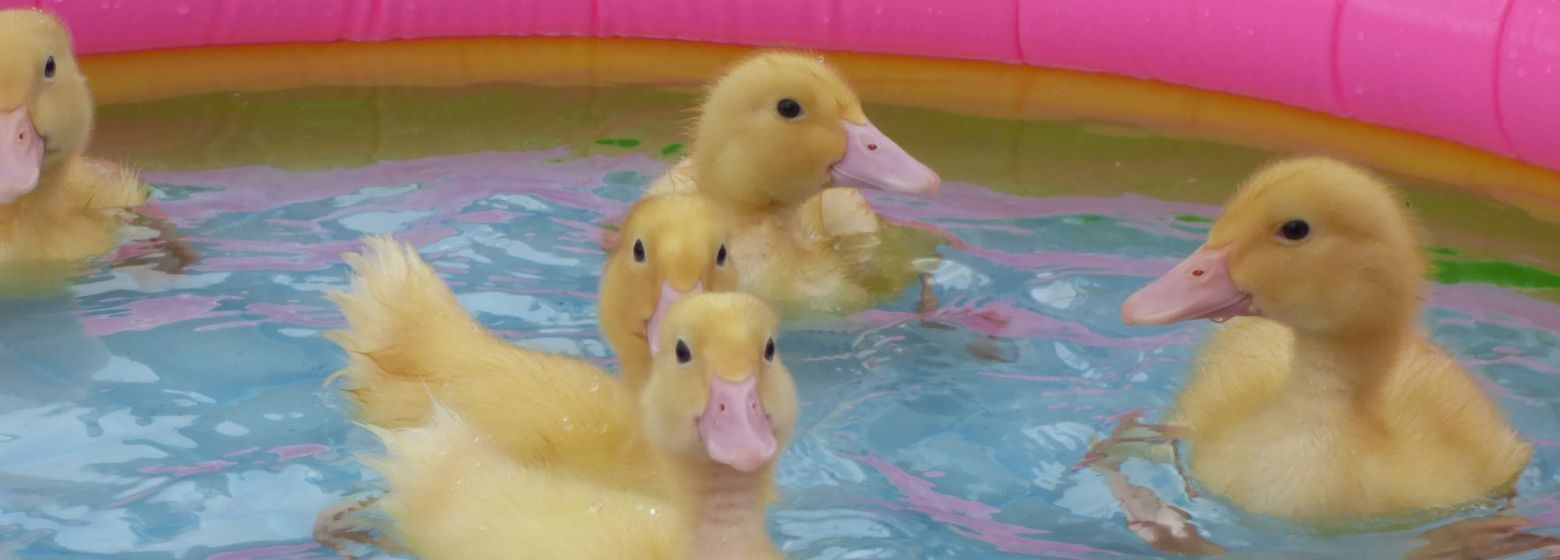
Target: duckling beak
21	154
735	428
669	296
874	161
1197	288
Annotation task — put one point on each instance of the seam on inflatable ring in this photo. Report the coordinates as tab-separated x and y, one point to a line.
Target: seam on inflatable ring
1018	33
1500	113
1341	101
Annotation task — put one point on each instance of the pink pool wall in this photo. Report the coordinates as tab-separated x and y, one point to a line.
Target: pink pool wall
1481	72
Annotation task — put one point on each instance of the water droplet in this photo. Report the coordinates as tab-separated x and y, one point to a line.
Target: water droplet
1359	90
181	9
1360	35
595	386
595	508
654	512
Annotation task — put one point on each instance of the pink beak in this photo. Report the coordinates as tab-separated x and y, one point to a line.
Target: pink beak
1197	288
21	154
734	427
669	296
874	161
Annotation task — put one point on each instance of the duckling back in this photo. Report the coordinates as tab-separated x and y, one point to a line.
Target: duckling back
455	494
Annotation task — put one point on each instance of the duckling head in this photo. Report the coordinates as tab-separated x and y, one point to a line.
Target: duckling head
719	391
1313	243
669	247
45	110
780	127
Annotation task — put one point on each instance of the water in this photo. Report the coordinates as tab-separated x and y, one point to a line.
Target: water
155	416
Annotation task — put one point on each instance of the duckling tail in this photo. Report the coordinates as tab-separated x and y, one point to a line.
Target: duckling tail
406	332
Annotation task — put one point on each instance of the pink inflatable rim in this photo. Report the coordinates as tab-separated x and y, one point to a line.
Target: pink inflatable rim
1485	73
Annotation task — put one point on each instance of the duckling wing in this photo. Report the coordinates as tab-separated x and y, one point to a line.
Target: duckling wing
841	219
104	185
678	179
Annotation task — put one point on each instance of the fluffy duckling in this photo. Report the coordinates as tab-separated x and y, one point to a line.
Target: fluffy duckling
410	342
1327	403
718	410
55	204
668	247
774	133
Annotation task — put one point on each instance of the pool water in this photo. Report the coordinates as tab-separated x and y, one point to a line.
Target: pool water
149	415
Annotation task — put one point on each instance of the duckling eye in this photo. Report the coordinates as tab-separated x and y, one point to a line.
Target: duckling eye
769	351
639	251
720	256
684	355
1295	230
48	68
789	108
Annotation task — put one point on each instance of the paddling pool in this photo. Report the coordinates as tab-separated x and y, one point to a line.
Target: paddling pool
148	415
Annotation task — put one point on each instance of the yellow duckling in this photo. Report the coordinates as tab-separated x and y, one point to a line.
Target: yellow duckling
668	247
410	341
55	204
718	410
775	132
1329	404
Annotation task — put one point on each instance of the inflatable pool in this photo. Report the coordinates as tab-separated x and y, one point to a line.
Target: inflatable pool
1479	72
1085	145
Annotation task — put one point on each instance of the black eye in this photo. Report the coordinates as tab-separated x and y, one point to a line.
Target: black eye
720	256
639	251
684	355
789	108
48	68
769	350
1295	230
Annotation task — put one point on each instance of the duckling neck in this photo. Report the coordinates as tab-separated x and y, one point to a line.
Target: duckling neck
751	191
1345	367
728	513
46	194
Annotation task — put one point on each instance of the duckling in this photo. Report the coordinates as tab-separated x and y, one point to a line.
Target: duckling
717	411
410	342
774	133
1320	399
668	247
55	204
